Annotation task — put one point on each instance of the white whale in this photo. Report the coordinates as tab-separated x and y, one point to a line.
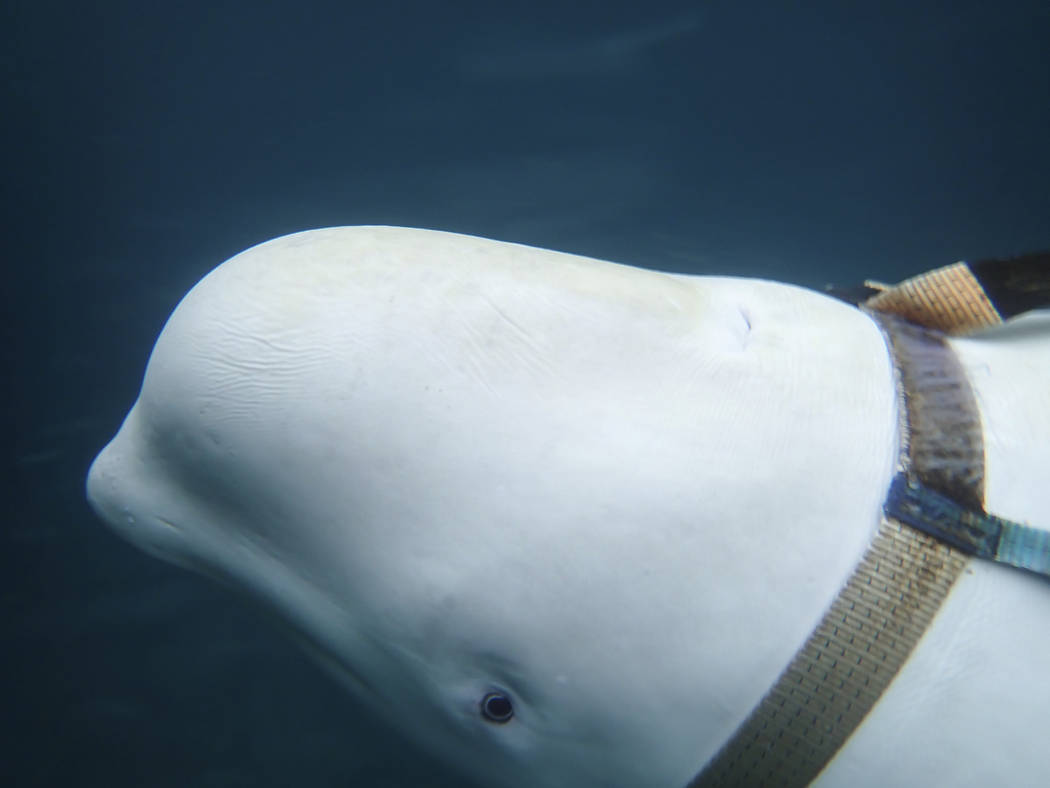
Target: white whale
613	499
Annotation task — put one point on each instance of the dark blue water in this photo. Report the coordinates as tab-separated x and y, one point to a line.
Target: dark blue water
142	147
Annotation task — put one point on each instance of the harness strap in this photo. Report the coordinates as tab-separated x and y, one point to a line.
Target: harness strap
965	297
908	570
949	299
975	533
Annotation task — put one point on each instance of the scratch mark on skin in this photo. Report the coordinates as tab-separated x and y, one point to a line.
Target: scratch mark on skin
523	333
536	357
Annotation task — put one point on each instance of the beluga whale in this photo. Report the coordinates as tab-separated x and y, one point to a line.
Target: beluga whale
567	522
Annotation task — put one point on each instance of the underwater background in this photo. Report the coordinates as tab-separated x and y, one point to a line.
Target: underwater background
809	142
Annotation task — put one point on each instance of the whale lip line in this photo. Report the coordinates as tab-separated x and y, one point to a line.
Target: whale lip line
164	521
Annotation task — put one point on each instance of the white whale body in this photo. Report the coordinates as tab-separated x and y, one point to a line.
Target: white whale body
614	500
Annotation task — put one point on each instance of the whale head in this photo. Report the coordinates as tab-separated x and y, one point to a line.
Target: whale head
528	506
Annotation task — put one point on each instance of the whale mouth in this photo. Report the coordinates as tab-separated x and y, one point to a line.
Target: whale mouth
127	499
113	497
337	667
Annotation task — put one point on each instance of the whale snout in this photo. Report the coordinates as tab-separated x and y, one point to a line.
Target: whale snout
106	488
124	492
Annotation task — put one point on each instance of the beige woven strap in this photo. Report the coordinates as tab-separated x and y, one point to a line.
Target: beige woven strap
845	665
895	591
949	299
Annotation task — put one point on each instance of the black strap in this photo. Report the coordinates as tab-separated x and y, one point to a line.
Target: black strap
975	532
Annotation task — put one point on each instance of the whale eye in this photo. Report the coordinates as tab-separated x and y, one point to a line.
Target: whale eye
496	707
